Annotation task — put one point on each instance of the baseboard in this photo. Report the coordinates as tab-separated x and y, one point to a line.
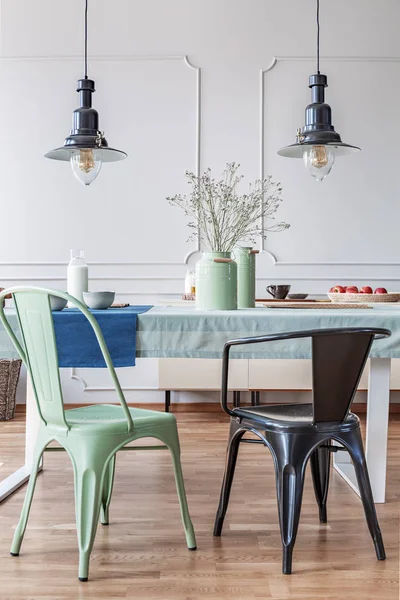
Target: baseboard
212	407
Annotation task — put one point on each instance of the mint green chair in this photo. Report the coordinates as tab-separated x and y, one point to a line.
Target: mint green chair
91	435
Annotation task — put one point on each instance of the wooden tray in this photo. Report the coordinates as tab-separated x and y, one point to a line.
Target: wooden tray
269	300
316	305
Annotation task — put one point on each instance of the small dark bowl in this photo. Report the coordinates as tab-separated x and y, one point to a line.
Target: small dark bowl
297	296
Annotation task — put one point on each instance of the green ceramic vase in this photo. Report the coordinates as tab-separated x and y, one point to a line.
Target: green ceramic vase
216	282
245	258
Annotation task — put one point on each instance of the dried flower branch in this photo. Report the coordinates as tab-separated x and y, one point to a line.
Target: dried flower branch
221	216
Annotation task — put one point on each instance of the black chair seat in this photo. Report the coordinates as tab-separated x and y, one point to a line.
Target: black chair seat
291	416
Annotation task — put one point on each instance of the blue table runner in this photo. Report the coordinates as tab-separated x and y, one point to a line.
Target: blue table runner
76	341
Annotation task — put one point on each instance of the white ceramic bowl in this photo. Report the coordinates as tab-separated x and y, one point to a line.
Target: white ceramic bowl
98	300
57	303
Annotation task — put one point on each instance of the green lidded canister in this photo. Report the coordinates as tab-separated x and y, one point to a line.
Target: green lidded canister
245	258
216	282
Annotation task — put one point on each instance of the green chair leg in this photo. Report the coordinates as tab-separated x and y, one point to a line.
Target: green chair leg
90	465
107	491
20	529
171	439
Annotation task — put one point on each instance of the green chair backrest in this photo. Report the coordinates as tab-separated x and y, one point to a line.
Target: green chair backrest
39	350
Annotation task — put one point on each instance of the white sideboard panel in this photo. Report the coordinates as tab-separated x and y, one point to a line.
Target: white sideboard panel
88	386
395	374
195	374
200	374
297	375
280	374
143	376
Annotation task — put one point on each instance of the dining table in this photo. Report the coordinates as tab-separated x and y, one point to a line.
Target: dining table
184	332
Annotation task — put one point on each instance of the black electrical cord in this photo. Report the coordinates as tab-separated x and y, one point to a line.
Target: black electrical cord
86	38
318	71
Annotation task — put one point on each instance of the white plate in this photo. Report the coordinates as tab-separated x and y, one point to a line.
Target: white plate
347	297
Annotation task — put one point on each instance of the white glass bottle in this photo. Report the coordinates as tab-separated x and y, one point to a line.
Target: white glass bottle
193	282
188	282
77	275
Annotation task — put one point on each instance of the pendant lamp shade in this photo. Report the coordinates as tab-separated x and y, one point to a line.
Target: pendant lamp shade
86	147
317	142
318	128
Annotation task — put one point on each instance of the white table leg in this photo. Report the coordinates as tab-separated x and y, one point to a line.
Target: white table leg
377	432
377	425
19	477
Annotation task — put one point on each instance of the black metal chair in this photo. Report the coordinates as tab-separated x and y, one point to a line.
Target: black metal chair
296	432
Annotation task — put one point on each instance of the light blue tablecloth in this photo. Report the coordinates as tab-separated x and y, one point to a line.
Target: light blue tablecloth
184	332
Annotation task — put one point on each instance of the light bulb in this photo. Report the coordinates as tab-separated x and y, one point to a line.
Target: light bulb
86	164
319	160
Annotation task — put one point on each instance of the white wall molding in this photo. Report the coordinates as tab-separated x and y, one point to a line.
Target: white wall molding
262	148
330	263
275	260
180	264
91	263
101	57
107	58
175	278
347	58
371	277
126	58
198	149
94	278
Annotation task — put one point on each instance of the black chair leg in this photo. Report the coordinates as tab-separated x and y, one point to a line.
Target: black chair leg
320	469
235	435
255	398
289	469
236	399
167	406
353	441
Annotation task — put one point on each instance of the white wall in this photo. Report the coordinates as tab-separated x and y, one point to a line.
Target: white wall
223	103
344	229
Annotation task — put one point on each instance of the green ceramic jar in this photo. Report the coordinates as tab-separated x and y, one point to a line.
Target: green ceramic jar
245	258
216	282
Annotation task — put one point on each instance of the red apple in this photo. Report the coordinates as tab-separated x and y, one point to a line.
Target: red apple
337	289
351	289
380	291
366	290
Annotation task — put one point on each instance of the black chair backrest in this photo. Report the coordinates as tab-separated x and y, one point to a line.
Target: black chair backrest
338	360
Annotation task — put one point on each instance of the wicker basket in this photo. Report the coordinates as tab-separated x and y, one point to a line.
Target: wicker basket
349	297
9	376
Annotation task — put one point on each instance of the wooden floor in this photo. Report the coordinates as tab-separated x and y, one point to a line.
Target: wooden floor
142	554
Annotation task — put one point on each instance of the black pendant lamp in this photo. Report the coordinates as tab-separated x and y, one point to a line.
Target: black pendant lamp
86	147
317	142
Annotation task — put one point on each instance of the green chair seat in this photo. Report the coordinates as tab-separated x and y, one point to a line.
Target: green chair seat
91	435
111	418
